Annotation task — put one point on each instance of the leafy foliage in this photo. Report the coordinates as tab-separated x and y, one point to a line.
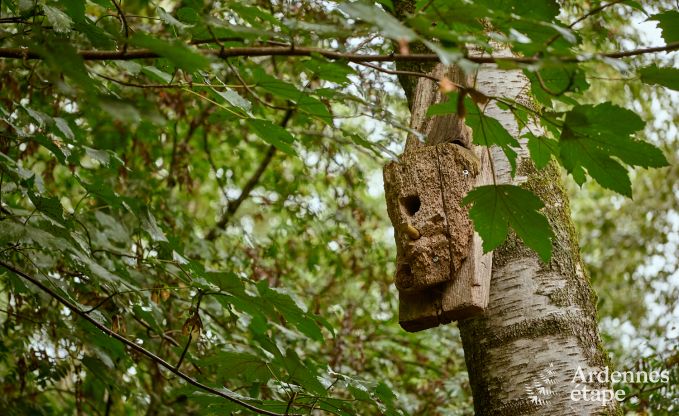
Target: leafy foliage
496	207
592	135
199	179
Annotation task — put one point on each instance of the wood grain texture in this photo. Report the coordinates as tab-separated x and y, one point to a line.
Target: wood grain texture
443	275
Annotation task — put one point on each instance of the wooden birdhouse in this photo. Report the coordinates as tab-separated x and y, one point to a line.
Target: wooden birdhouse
442	274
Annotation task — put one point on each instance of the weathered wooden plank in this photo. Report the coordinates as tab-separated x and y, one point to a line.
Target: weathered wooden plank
442	274
434	293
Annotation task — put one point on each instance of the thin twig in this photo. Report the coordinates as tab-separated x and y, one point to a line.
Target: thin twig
233	206
126	27
213	165
122	292
580	19
240	79
186	348
13	19
194	124
188	342
134	345
644	390
213	102
175	85
363	43
396	72
426	6
251	91
594	11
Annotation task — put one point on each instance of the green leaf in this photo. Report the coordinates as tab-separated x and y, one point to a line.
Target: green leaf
110	228
592	135
255	15
359	391
49	206
387	396
497	207
541	149
62	56
59	20
64	128
176	52
170	20
157	74
76	11
39	116
61	153
336	71
149	224
302	373
488	131
101	156
188	15
273	134
95	186
667	77
233	365
100	370
668	22
282	89
543	10
228	282
290	311
389	25
235	99
557	81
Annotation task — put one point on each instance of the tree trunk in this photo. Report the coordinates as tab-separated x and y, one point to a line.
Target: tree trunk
541	321
540	325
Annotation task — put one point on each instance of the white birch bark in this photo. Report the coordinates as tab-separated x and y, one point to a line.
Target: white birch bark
540	325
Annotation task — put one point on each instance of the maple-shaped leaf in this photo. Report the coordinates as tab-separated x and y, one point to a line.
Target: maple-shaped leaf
497	207
593	135
668	22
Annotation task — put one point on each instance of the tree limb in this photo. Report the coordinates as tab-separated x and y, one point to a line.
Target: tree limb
98	55
133	345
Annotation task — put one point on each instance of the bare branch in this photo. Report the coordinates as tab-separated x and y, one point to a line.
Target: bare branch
584	17
393	72
98	55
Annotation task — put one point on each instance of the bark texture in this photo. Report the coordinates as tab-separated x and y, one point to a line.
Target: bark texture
540	324
541	318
